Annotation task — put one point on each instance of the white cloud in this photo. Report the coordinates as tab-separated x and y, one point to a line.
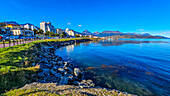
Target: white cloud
144	32
68	23
168	32
79	25
140	29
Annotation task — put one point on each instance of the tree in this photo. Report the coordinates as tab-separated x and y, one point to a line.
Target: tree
47	33
62	35
77	35
56	34
1	31
40	32
52	34
35	31
87	36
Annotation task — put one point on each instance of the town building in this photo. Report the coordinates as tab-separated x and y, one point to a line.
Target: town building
29	26
12	25
22	31
17	31
47	26
59	31
73	33
5	28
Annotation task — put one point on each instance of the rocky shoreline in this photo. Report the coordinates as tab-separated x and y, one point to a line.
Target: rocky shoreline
54	70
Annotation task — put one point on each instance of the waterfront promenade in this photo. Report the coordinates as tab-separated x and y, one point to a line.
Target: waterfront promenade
19	42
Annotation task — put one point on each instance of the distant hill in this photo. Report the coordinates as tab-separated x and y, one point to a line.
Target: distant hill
141	36
125	35
86	32
11	22
116	32
95	33
109	33
146	34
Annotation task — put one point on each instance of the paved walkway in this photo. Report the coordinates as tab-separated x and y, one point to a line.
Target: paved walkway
13	44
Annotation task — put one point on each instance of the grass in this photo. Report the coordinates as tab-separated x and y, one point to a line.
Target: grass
61	90
31	92
12	73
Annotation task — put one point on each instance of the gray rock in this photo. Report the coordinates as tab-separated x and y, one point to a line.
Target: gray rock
68	69
76	82
46	70
59	58
68	75
48	65
55	67
60	62
89	81
76	71
63	81
58	75
61	70
66	64
86	84
41	74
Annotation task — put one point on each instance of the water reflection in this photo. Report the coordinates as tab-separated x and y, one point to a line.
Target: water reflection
136	67
70	48
121	42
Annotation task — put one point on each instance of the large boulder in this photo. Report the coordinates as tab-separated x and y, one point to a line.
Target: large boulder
61	70
58	75
76	71
76	83
63	80
69	70
86	84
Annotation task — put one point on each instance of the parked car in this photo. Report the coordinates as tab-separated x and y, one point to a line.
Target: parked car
1	37
7	38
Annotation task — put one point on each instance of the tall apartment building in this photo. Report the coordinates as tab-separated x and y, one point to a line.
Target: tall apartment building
47	26
70	32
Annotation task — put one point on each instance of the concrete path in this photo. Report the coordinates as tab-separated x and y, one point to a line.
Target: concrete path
13	44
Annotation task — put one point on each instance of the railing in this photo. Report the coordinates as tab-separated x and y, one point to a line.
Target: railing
13	42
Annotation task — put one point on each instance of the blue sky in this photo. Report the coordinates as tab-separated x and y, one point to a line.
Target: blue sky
139	16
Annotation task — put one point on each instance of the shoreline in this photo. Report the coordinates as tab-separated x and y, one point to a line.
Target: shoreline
53	69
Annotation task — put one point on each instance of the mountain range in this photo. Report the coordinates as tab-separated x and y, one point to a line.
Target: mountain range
121	35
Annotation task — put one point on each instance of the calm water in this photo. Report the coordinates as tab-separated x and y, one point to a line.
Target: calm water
131	65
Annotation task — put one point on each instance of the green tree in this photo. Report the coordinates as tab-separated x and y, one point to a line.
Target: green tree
40	32
77	35
1	31
35	31
47	33
62	35
52	34
56	34
87	36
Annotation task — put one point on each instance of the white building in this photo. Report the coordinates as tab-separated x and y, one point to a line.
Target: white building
29	26
46	26
70	32
21	31
29	33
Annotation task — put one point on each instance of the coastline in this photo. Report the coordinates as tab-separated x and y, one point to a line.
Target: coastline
53	69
